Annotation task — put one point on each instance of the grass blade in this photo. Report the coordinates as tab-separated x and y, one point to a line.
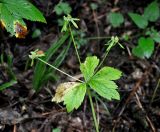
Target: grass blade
8	84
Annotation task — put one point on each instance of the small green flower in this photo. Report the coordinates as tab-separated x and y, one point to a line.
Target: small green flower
67	20
36	54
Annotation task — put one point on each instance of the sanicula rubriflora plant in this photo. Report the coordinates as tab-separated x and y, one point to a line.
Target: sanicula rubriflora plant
100	80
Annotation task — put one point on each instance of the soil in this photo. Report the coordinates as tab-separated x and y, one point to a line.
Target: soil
23	110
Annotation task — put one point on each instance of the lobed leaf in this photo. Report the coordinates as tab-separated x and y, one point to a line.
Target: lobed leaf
74	97
87	68
105	88
108	73
62	89
101	82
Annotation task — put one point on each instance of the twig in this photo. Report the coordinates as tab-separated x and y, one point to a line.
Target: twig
147	118
135	89
155	91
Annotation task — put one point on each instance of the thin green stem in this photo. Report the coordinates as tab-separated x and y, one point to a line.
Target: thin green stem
74	44
93	111
106	54
60	70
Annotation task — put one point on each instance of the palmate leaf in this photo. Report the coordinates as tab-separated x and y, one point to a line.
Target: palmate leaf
73	93
102	82
12	11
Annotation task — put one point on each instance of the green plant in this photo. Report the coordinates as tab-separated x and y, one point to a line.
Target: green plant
56	130
115	19
139	20
62	8
101	81
151	13
13	12
154	34
80	38
145	46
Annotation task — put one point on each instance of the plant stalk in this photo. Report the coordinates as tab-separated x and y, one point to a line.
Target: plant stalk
60	70
93	111
106	54
74	44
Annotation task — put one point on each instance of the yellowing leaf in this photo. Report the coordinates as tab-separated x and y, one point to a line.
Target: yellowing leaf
74	97
2	24
62	89
20	30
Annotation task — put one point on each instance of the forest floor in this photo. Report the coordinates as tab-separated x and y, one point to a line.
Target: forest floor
23	110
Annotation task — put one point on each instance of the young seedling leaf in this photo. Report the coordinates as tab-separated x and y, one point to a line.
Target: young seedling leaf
115	19
87	68
144	48
139	20
102	82
62	89
74	97
152	11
